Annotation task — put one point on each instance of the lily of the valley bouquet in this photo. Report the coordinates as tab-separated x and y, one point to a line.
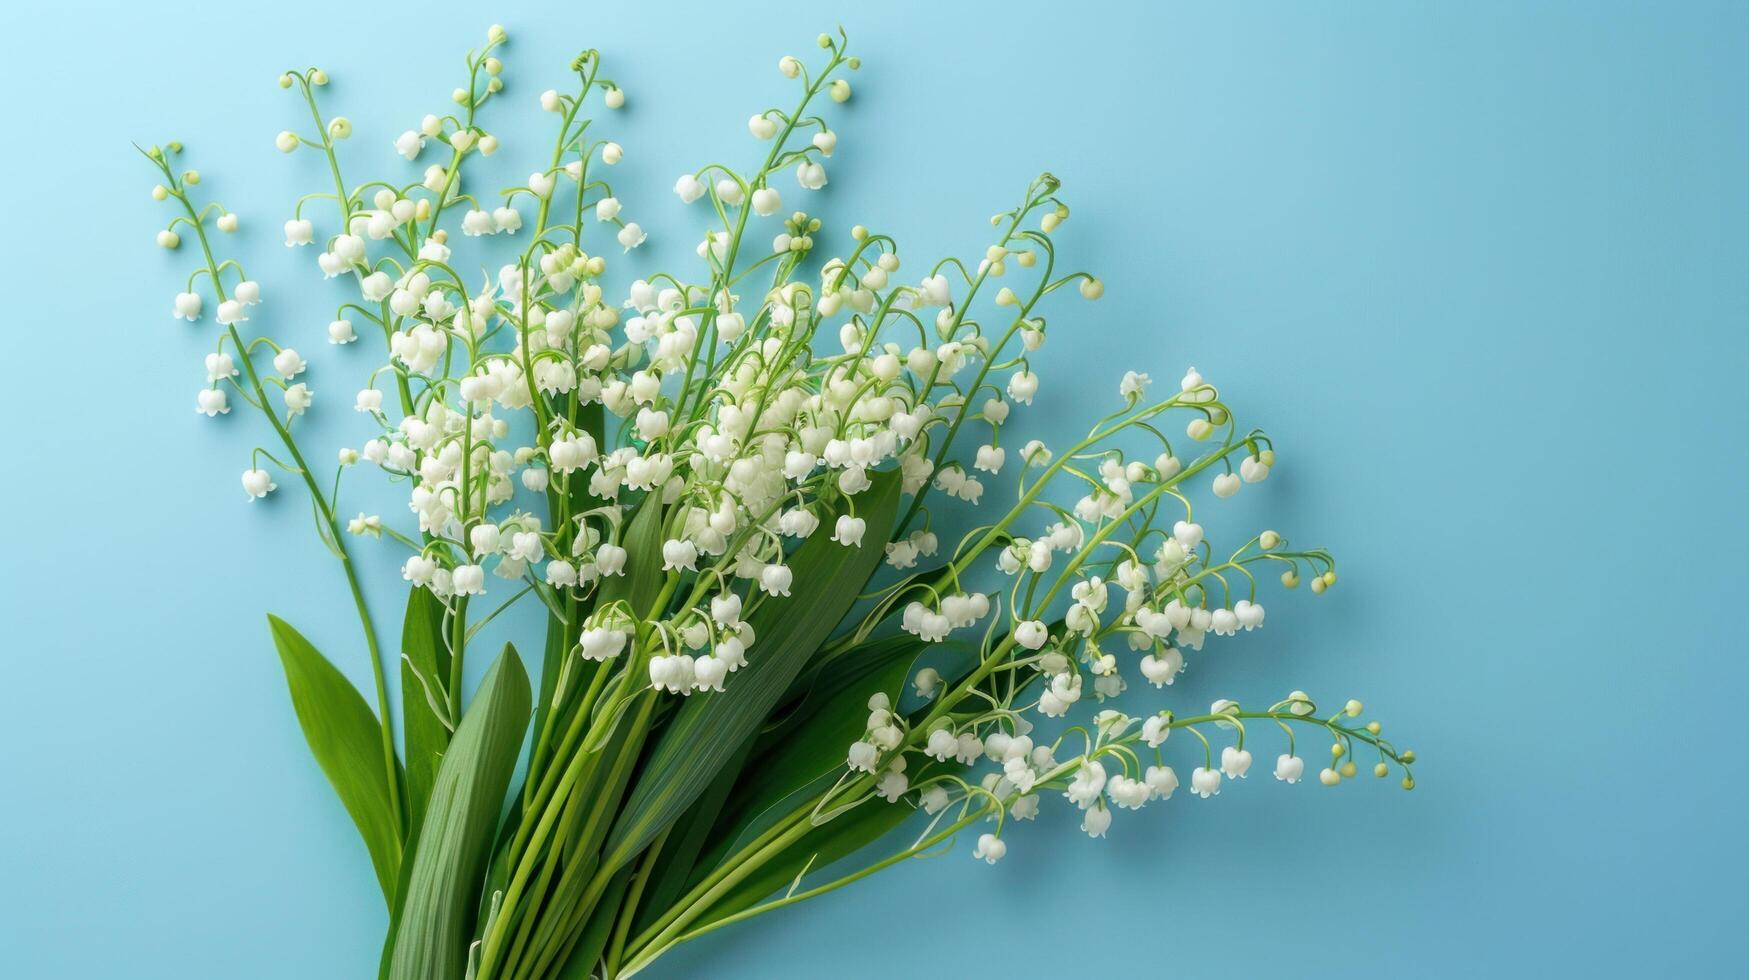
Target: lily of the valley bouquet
765	650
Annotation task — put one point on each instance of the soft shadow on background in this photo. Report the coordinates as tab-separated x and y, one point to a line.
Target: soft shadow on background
1478	270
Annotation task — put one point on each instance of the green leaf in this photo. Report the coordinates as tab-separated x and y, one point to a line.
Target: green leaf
591	418
643	576
794	759
581	961
832	841
557	645
346	739
435	924
424	677
707	731
675	865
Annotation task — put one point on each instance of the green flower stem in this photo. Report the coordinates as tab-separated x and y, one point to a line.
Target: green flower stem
324	508
585	761
559	502
794	829
950	573
695	899
340	193
457	644
560	924
724	278
966	406
921	846
670	930
540	781
533	835
629	906
526	846
403	389
540	224
453	170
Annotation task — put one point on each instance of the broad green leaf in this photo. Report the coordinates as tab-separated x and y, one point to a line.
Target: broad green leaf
346	739
591	418
832	841
424	680
834	712
436	919
643	576
560	638
561	635
589	812
674	866
707	731
795	759
552	657
586	954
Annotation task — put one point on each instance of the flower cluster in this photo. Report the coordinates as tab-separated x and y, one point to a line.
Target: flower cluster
650	462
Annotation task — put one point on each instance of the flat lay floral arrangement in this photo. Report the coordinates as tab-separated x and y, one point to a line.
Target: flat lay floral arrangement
769	666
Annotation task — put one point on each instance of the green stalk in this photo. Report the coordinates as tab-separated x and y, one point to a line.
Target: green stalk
323	506
579	720
796	830
549	868
557	931
493	940
649	955
458	644
629	907
493	943
647	947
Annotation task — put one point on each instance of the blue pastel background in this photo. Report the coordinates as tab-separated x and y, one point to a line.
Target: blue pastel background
1479	268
